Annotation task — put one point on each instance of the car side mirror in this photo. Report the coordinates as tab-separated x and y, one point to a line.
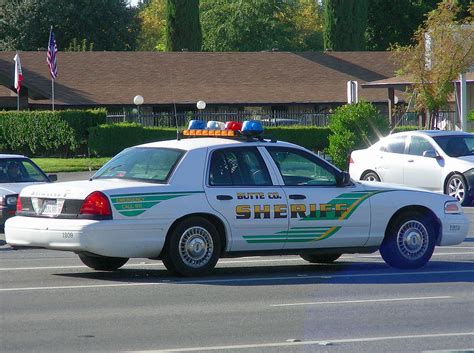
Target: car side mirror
431	154
343	178
52	177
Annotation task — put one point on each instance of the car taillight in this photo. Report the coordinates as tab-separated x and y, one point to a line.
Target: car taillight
351	160
19	206
96	204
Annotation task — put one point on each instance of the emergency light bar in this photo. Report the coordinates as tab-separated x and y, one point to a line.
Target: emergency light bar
199	128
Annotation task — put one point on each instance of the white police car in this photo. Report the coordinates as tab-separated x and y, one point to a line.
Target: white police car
196	199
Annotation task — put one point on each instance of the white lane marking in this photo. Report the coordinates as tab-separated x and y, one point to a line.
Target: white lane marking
362	301
235	280
305	343
159	264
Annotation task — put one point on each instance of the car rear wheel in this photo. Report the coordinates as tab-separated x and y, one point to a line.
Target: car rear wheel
457	187
103	263
409	241
320	258
370	176
192	248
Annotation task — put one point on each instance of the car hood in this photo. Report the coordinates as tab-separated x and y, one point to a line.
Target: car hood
377	186
13	188
463	163
79	190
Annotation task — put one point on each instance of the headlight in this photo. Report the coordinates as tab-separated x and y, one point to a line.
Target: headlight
452	207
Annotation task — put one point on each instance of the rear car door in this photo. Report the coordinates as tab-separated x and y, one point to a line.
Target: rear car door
391	159
240	187
321	213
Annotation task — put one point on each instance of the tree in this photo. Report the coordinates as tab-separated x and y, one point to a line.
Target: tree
345	22
443	49
152	18
256	25
354	126
183	28
25	24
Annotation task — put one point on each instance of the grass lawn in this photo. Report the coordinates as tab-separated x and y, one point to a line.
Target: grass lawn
56	165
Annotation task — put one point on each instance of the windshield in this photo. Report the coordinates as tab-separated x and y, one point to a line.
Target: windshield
456	145
140	163
20	170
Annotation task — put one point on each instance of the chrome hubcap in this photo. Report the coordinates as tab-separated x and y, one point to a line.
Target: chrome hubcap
412	240
456	189
196	247
370	178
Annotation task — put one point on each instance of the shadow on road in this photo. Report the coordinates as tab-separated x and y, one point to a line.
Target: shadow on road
338	273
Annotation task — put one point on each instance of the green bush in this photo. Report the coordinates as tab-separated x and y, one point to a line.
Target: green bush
470	116
354	126
37	133
108	140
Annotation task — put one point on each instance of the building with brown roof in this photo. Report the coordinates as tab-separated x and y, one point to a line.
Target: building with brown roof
275	81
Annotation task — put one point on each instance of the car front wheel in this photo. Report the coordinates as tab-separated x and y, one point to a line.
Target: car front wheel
103	263
192	248
409	241
457	187
320	258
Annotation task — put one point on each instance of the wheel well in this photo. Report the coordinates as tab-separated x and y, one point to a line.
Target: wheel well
367	172
216	221
420	209
447	178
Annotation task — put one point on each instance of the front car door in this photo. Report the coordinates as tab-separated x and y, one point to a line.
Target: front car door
420	171
321	213
241	188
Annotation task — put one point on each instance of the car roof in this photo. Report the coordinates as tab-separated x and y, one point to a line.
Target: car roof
205	142
433	133
4	156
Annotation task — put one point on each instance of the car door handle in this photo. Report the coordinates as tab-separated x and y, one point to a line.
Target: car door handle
411	160
224	197
297	197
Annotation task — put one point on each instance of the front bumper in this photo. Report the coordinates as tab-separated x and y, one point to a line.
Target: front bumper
116	238
455	228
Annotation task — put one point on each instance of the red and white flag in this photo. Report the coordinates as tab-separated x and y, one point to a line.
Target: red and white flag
18	73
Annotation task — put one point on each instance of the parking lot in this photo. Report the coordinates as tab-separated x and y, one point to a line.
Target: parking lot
50	302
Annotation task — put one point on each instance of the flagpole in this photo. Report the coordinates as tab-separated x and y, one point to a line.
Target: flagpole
52	93
18	101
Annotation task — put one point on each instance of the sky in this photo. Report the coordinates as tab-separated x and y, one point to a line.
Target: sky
133	2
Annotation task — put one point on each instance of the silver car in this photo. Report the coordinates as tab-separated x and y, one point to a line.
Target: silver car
439	161
16	172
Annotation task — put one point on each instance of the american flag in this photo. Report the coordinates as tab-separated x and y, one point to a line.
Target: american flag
18	73
51	59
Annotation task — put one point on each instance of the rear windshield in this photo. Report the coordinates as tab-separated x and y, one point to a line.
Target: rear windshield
457	145
143	164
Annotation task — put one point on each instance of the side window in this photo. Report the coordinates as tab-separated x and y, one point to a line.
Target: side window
418	145
238	167
394	144
300	168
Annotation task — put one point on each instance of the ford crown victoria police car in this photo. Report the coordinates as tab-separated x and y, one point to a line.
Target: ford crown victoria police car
191	201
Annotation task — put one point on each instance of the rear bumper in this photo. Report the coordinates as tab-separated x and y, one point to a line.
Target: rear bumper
116	238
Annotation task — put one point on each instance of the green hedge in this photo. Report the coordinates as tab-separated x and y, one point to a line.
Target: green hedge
108	140
41	133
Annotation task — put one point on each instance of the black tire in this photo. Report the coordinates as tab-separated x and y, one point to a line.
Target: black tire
103	263
192	248
409	241
320	258
370	176
458	188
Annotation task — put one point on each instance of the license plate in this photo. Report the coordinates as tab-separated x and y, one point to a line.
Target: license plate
52	207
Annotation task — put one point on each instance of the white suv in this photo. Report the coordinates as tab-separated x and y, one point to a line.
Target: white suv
439	161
